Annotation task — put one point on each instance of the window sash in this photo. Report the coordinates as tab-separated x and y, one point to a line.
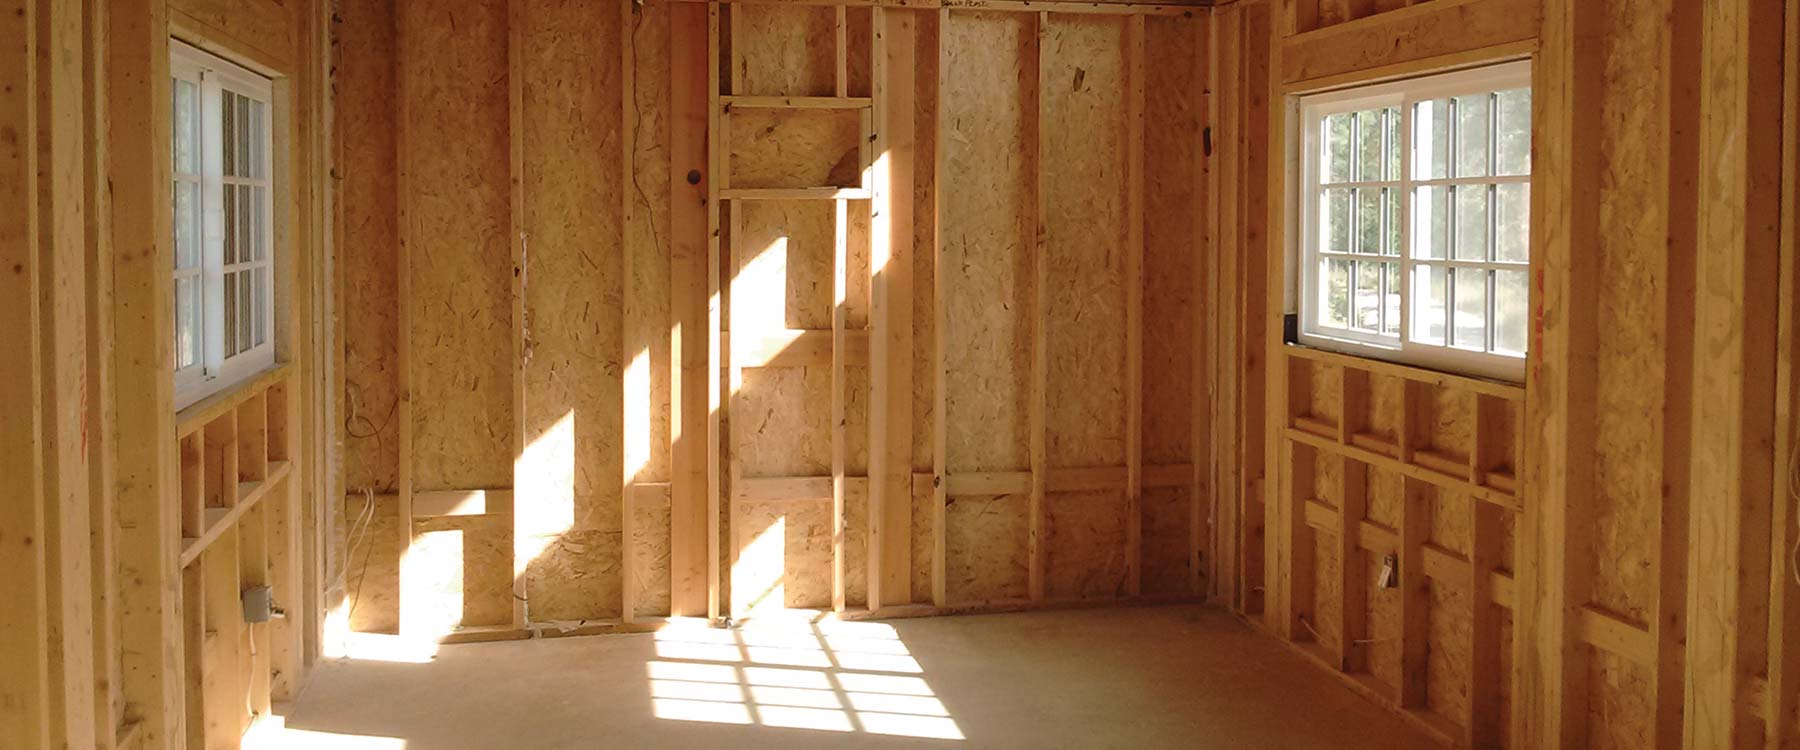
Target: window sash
216	368
1313	257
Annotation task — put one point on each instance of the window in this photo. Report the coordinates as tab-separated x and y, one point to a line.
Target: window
1415	220
224	238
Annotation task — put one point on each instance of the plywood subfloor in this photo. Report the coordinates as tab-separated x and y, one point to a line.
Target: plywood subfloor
1153	677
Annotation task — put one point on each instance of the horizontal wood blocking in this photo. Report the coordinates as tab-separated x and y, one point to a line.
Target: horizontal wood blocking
1439	564
1419	470
796	102
1508	391
198	414
218	520
1419	33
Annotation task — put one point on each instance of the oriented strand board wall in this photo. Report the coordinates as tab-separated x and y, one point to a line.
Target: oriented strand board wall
590	217
1082	74
569	508
986	206
455	219
366	123
367	116
1173	247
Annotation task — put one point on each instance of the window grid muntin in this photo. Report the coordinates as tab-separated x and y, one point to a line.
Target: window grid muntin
1314	268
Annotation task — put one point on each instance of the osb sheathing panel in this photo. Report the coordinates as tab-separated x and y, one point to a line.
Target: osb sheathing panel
857	31
784	276
986	204
795	148
786	554
1452	519
370	300
924	311
1382	620
1328	609
984	548
1632	247
1171	237
1387	396
922	540
371	563
785	50
574	575
1508	542
568	504
856	546
1326	385
650	557
1619	703
458	212
1165	540
1500	428
781	425
1447	660
461	575
1505	663
1084	236
1385	497
647	317
1451	428
1085	545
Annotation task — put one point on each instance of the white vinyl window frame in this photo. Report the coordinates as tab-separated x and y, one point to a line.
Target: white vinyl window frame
1400	347
220	84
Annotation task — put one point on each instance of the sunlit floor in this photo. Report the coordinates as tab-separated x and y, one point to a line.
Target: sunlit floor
1154	677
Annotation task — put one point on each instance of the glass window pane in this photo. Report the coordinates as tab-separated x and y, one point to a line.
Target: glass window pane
1391	300
1431	140
1368	221
1334	294
1368	296
243	139
258	166
259	224
1368	145
1390	198
246	210
228	131
1334	220
1336	139
244	316
187	224
1512	136
1472	114
1512	310
187	127
1393	143
230	230
261	303
1429	297
1471	221
187	322
1431	222
229	329
1471	308
1512	222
